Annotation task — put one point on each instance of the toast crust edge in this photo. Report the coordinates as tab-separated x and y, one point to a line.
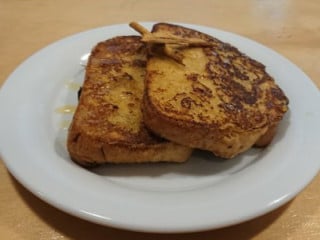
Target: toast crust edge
88	151
214	140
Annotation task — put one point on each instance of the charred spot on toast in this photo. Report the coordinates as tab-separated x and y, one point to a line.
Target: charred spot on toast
76	137
139	63
79	93
186	102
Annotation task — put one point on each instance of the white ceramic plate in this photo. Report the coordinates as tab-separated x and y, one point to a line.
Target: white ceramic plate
204	193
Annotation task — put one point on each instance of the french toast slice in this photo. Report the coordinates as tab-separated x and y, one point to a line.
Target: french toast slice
107	126
216	99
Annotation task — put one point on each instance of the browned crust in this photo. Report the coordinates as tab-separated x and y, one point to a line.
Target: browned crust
88	151
267	138
241	128
225	143
94	136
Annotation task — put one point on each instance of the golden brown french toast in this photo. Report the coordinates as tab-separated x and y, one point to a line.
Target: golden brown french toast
107	125
216	99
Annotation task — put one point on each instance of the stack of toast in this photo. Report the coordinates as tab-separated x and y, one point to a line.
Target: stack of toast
156	97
